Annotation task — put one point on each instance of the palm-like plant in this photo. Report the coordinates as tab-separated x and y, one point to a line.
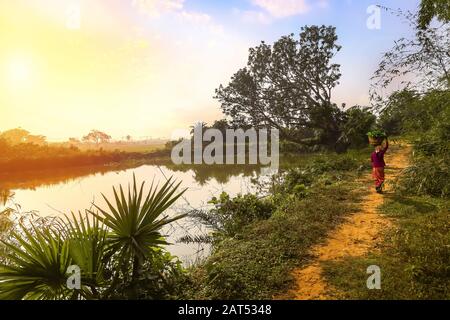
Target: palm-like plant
36	267
123	238
134	222
88	244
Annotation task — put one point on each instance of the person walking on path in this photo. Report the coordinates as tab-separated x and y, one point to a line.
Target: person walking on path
378	165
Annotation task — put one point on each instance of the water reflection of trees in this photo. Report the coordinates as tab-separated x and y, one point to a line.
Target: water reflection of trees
221	173
202	174
34	179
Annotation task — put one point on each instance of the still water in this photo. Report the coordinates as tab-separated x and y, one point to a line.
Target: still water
60	192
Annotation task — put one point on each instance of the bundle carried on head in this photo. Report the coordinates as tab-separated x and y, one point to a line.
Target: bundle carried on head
376	137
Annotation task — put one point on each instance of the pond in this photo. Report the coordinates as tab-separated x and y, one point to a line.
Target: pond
59	192
50	193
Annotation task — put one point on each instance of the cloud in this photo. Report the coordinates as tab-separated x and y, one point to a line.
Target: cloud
195	17
155	8
253	16
282	8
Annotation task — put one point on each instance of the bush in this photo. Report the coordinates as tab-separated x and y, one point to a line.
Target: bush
230	215
357	122
427	176
162	277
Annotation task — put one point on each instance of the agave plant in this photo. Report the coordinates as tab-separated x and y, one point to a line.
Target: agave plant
135	222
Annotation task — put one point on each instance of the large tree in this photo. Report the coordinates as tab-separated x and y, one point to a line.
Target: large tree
15	136
430	9
97	137
288	86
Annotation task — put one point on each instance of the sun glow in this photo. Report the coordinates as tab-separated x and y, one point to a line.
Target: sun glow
19	72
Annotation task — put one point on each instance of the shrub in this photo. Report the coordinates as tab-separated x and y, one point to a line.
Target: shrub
427	175
357	121
230	215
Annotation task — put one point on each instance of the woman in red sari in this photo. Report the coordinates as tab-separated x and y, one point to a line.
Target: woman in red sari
378	165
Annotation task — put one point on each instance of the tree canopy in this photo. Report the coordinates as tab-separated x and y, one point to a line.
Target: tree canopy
97	137
430	9
287	85
19	135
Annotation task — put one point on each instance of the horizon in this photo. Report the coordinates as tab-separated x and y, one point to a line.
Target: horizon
146	68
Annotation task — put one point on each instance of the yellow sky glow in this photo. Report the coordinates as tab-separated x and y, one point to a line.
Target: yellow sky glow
105	75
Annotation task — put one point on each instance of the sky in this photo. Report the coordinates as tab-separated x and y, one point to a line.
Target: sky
150	67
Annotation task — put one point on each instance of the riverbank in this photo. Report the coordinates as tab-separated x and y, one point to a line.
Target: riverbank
62	158
255	260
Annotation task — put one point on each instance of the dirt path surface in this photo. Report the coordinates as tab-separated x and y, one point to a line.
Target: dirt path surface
359	234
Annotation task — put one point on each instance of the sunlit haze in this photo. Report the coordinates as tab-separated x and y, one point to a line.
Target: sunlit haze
146	68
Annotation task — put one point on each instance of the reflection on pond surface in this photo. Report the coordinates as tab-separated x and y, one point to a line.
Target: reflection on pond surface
58	192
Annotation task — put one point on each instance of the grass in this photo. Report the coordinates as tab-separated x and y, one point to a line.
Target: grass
124	147
414	257
256	263
31	157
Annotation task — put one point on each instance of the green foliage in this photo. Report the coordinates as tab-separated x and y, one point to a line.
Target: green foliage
88	246
324	170
433	8
428	175
134	224
357	121
36	267
376	134
343	162
161	277
400	109
230	215
119	252
425	120
413	114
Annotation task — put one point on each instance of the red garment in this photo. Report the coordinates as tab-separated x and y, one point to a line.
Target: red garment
377	158
378	175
